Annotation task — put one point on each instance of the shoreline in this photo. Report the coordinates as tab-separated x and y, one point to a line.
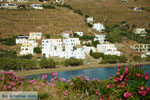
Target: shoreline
70	68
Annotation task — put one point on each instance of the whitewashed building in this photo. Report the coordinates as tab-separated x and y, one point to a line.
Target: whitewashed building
87	49
108	49
35	35
62	49
71	41
100	38
9	5
36	6
28	47
140	31
98	27
90	20
21	39
79	33
61	2
22	0
67	34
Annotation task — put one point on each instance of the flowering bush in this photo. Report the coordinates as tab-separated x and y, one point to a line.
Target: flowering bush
129	83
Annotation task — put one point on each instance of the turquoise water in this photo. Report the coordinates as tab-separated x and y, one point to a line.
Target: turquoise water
99	73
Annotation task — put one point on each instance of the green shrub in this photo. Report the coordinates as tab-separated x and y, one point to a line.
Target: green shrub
122	59
8	53
104	61
73	62
94	43
48	6
137	58
47	36
90	25
86	37
97	55
76	35
9	41
47	63
29	56
17	64
65	5
37	50
78	11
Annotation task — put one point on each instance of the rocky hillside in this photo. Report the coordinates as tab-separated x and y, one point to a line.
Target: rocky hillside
47	21
113	11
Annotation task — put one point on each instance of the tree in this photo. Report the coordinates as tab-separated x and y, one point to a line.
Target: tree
91	52
122	59
47	36
73	62
97	55
37	50
137	58
94	43
47	63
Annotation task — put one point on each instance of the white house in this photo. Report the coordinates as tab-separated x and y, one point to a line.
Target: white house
90	20
108	49
140	31
28	47
67	34
65	49
88	49
100	38
61	2
35	35
98	27
9	5
124	1
21	39
22	0
71	41
36	6
79	33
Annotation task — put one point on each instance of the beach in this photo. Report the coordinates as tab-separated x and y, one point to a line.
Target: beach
68	68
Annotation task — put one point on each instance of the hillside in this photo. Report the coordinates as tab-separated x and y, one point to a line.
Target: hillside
47	21
112	11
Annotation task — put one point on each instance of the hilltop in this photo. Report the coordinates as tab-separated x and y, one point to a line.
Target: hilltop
47	21
113	11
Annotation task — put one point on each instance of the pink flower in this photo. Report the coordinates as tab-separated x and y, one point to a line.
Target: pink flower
127	94
62	79
55	73
108	86
5	88
66	92
118	66
52	79
127	69
142	87
118	69
122	84
143	93
96	92
71	83
117	79
138	74
86	78
100	97
56	77
44	76
148	88
117	73
146	77
110	77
